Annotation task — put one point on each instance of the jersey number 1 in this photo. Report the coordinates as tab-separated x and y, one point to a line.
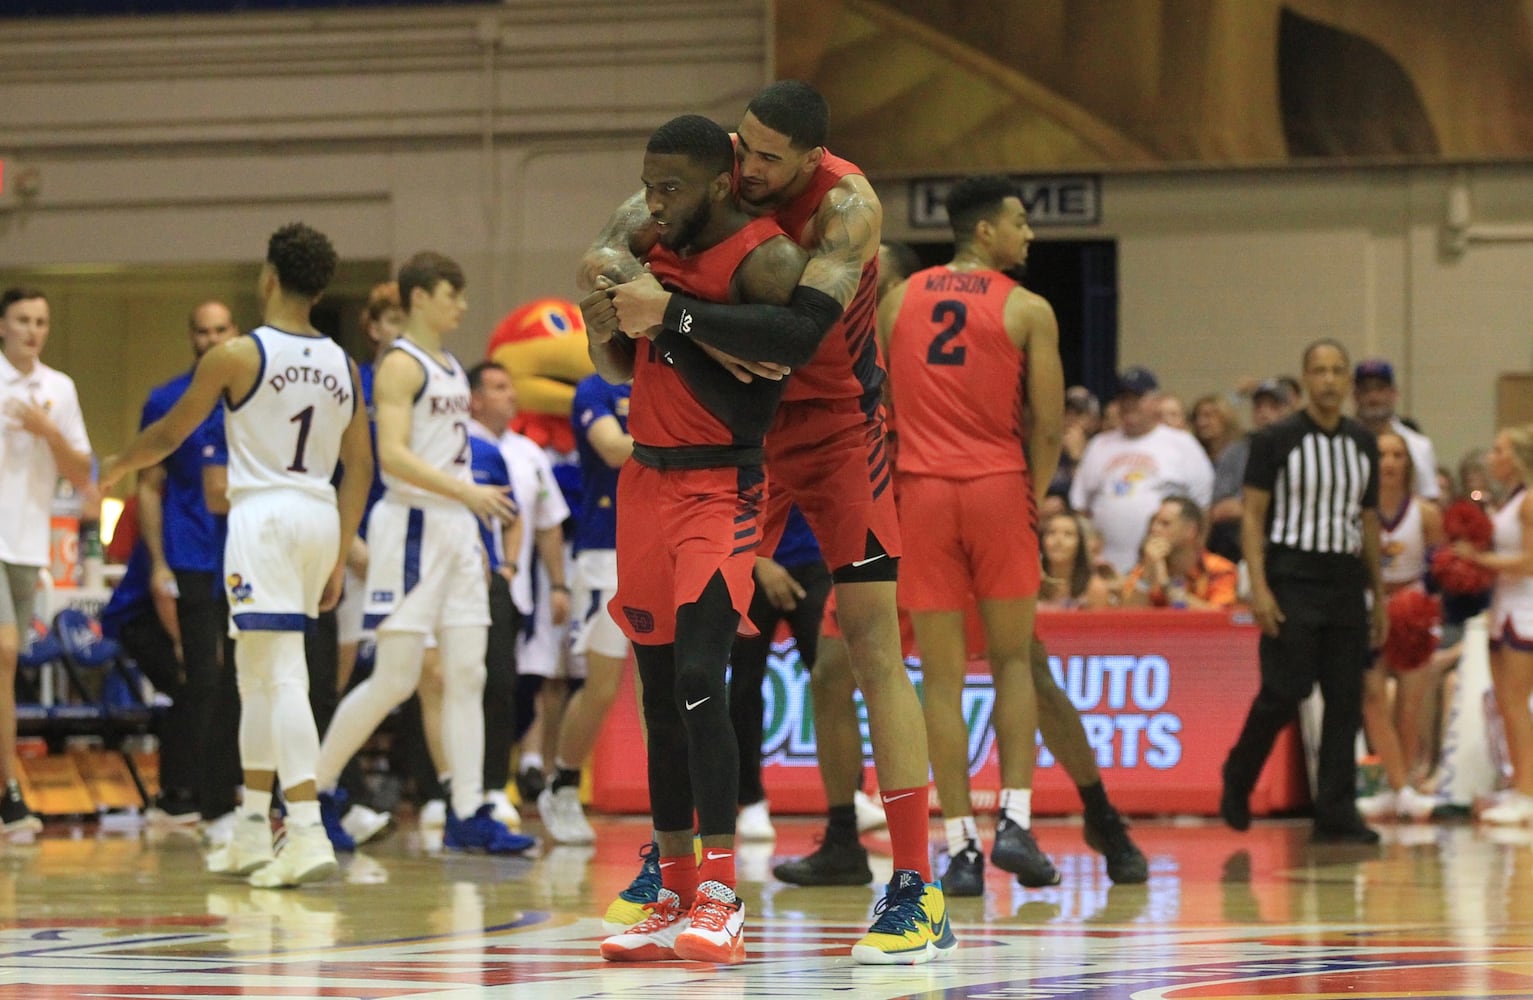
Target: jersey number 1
952	315
304	418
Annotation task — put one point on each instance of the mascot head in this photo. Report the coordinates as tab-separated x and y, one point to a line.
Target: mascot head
542	344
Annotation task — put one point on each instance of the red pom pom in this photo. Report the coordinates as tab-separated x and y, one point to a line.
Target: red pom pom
1464	521
1413	618
1456	575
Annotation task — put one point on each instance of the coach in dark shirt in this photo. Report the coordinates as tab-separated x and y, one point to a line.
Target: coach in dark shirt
1310	535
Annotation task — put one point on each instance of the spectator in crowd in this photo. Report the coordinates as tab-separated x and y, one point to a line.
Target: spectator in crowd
1217	428
1475	480
1376	397
1511	615
600	418
1215	425
1311	537
1409	528
1271	401
1070	577
1175	570
791	586
1171	410
42	437
1083	416
1125	473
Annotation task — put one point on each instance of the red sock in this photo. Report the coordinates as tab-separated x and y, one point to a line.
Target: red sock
679	874
718	865
909	814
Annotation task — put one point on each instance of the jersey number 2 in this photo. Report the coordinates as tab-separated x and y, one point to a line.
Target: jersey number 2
952	315
304	418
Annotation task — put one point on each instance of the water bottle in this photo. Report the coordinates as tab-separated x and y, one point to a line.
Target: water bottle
91	555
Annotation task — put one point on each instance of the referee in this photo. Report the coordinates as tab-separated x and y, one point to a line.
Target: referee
1310	536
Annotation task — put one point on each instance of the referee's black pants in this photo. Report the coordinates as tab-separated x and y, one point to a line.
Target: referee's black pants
1324	639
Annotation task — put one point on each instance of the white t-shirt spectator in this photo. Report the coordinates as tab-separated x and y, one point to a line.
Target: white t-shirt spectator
1423	457
28	473
1122	481
541	503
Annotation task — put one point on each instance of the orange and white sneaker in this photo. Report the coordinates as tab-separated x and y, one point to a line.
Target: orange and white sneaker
717	931
652	939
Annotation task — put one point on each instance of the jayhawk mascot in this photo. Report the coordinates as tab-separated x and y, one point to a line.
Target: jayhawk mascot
542	345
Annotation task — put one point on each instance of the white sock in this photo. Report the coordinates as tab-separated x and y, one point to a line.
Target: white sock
256	804
530	761
961	831
1017	806
462	651
303	813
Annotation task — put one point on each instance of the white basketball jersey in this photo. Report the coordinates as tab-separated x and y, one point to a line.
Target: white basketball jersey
287	433
438	428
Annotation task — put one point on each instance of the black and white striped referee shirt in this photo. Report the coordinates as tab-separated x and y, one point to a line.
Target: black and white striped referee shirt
1321	482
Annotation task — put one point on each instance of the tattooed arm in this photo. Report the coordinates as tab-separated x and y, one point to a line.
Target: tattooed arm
849	223
615	254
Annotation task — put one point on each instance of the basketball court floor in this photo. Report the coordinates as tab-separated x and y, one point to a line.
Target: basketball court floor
1435	911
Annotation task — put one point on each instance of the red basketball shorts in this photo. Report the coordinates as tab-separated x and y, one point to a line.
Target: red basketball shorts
829	457
967	539
675	530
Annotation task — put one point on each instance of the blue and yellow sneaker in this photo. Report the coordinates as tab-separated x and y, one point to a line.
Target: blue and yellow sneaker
912	925
633	905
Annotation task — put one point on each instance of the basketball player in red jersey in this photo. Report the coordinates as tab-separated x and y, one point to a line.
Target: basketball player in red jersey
687	531
973	359
826	450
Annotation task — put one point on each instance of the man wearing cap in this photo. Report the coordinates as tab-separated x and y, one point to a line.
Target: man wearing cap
1271	401
1375	397
1125	473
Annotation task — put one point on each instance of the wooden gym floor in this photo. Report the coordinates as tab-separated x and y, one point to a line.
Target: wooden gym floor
1436	911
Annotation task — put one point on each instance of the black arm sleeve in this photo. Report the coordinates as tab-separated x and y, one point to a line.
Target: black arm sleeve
785	335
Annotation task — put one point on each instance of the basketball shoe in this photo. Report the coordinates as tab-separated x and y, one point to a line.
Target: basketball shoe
1017	852
483	832
652	939
717	927
632	904
306	856
247	850
911	926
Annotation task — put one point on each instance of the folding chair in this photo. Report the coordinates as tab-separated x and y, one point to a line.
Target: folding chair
82	648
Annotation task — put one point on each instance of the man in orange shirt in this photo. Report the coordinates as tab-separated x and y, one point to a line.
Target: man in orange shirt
1175	570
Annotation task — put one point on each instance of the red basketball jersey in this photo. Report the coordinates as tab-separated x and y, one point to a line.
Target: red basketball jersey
663	412
846	365
957	380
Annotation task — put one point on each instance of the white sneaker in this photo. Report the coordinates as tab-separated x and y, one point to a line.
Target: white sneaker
248	848
1379	805
503	809
1413	805
755	822
1512	810
563	816
652	939
363	824
434	815
218	832
870	814
717	931
306	856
